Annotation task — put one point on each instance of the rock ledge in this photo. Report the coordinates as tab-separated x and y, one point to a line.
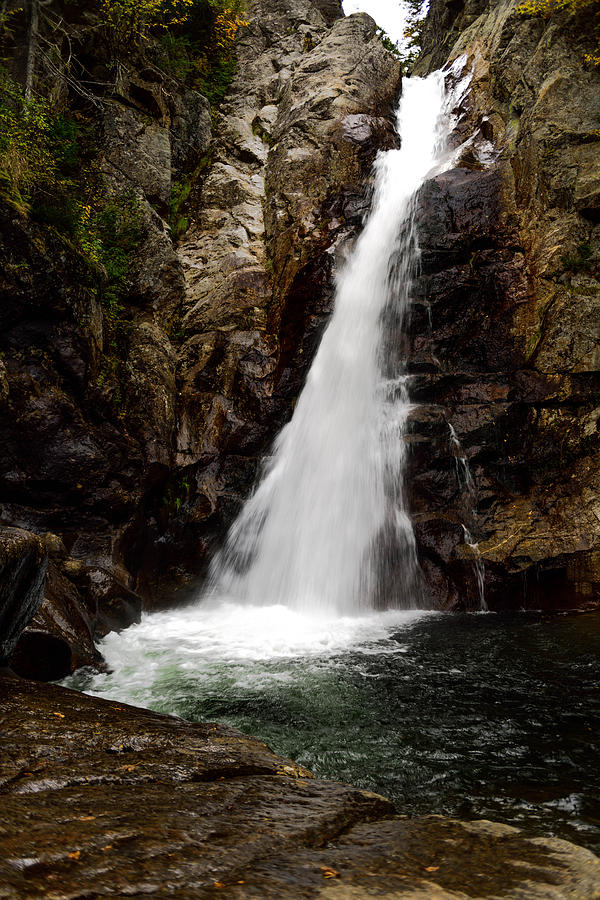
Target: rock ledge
100	799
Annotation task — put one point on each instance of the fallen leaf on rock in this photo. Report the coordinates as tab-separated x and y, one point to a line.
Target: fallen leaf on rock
75	854
431	868
329	873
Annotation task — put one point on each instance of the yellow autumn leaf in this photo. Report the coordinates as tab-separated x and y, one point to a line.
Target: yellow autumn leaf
329	873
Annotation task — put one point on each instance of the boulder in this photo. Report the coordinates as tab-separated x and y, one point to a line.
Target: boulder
59	638
23	564
81	604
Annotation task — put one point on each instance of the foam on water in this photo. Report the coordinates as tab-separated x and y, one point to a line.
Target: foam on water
251	644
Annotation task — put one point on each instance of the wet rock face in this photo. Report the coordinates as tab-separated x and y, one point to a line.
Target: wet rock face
122	801
503	333
22	569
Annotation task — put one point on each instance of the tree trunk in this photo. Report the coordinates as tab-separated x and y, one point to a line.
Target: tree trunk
32	40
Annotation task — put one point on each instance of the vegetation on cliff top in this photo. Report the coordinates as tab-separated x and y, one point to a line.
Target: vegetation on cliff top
44	158
408	49
49	146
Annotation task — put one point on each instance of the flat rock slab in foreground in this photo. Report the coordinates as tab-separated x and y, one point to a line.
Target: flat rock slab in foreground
103	800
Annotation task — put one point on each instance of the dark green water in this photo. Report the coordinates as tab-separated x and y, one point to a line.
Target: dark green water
466	715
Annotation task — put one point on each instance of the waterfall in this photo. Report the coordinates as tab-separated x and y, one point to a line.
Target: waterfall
326	527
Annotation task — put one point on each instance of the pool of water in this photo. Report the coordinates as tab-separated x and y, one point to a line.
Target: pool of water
467	715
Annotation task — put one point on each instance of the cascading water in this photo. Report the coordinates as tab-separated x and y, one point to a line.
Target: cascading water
322	558
468	490
327	528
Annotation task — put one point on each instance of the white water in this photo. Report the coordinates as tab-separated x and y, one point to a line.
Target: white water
327	529
233	648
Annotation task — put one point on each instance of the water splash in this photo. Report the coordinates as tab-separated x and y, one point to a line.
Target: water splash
327	526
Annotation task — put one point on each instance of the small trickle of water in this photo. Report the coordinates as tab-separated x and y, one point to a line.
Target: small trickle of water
467	485
327	526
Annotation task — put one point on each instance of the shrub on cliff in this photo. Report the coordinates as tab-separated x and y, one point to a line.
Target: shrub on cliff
25	140
185	27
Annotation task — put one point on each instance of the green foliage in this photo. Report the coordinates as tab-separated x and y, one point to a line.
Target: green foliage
111	232
388	43
213	47
416	11
192	40
260	132
49	160
194	36
46	169
176	54
115	231
55	198
176	493
215	78
128	22
175	328
26	155
547	7
180	191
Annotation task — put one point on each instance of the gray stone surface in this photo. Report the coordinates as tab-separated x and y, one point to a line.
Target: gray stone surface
152	425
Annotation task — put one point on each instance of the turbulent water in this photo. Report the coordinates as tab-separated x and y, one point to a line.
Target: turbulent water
467	715
327	527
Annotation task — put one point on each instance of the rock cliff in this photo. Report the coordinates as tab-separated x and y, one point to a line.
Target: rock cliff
131	429
504	331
